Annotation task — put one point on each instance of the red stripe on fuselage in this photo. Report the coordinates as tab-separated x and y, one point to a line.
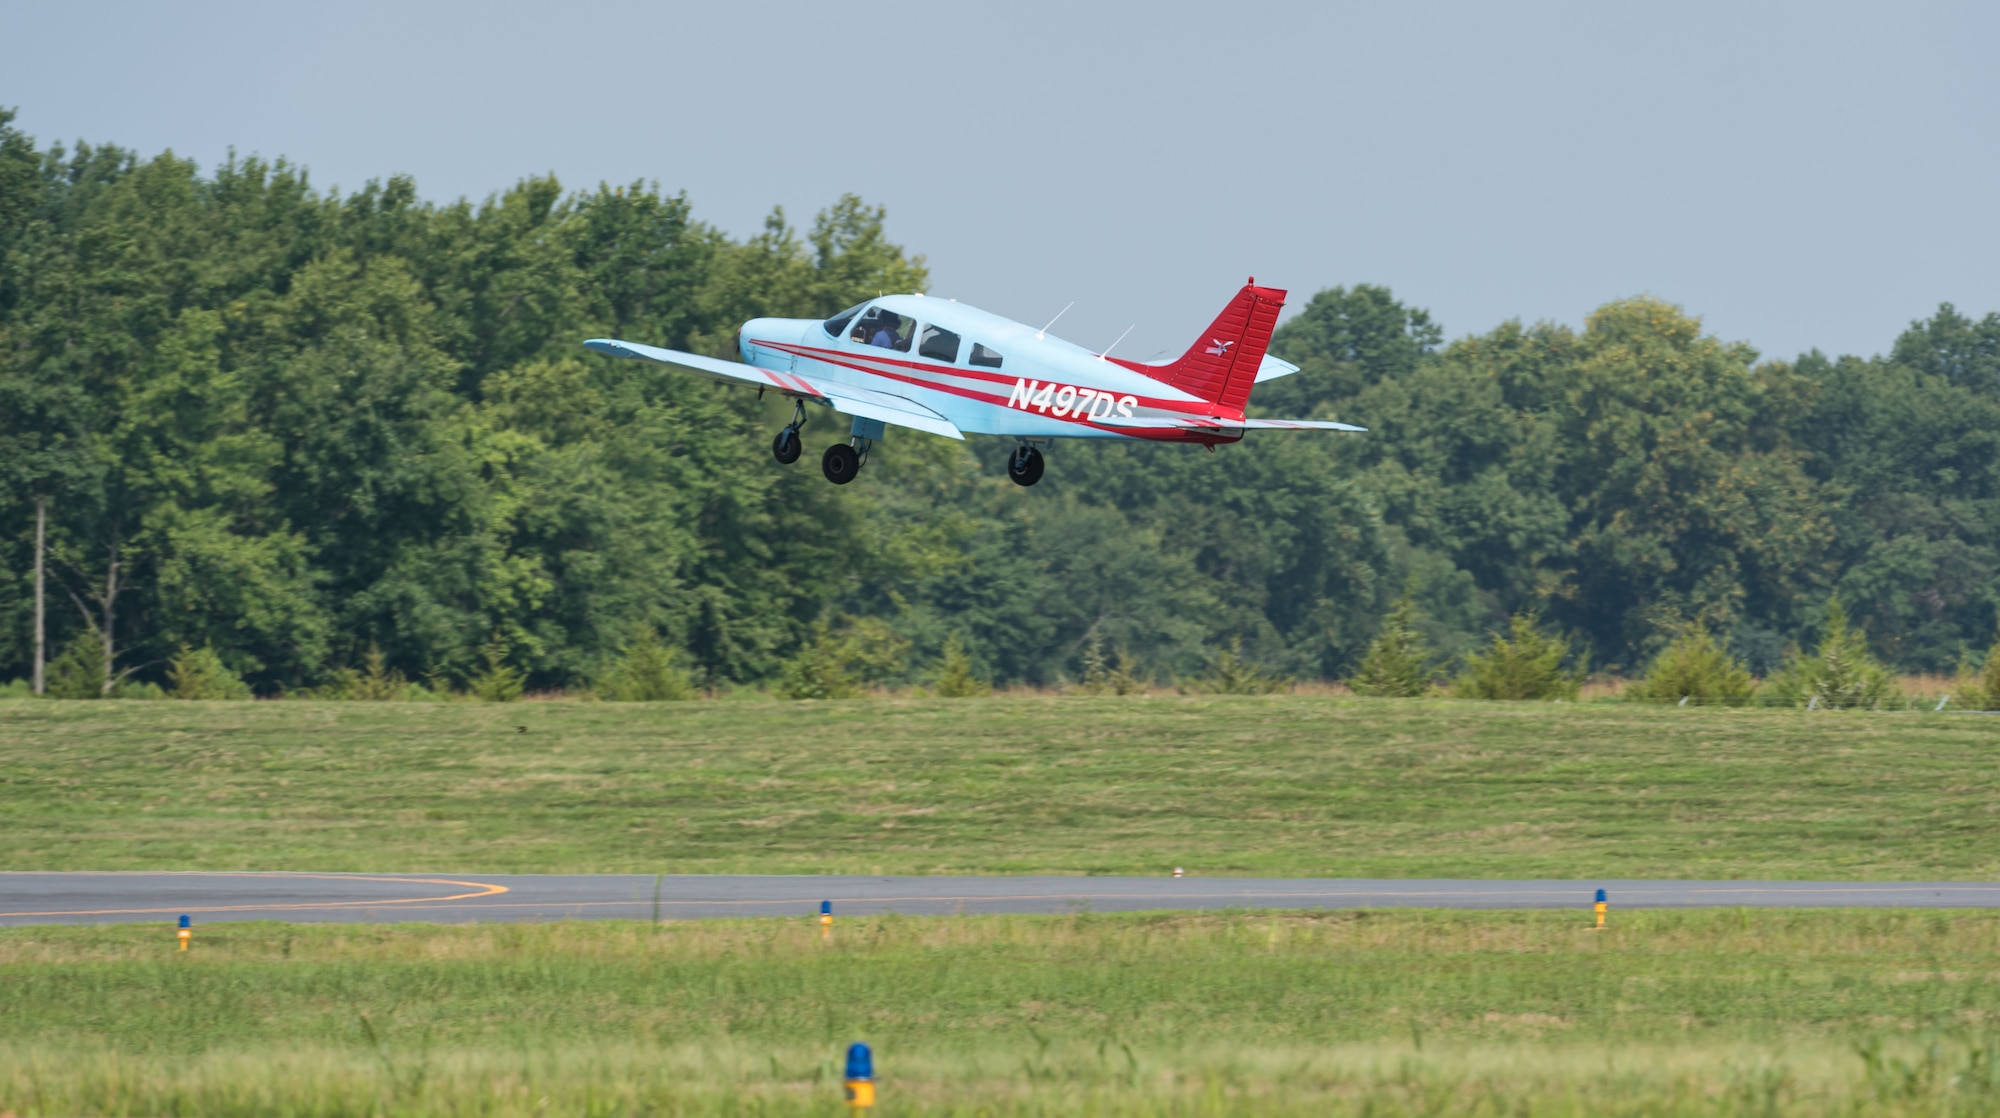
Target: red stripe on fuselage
1151	434
955	390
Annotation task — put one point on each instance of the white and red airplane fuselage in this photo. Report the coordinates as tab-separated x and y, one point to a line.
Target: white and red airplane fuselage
941	366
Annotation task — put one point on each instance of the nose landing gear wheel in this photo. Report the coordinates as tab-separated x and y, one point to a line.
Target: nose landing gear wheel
840	463
785	448
1026	466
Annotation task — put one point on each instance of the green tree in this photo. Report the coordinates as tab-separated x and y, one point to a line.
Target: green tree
1231	673
375	681
78	672
1398	663
1983	692
1696	667
1911	445
647	671
1954	349
198	673
956	678
499	681
1096	669
820	669
1343	341
1525	664
1839	674
1125	677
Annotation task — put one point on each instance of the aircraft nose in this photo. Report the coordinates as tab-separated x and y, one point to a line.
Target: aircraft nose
762	330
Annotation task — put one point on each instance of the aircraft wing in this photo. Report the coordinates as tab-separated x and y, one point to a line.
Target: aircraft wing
845	398
731	372
1155	422
885	406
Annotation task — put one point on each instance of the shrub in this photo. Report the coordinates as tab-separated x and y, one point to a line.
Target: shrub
1120	675
648	671
198	673
376	682
1696	667
955	678
839	664
1525	665
1982	691
819	670
1839	675
78	671
1230	674
872	650
501	682
1096	671
1125	678
1398	662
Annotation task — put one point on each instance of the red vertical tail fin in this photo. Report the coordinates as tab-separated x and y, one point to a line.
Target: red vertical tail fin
1222	364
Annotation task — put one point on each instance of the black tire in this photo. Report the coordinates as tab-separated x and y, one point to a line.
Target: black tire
840	463
1025	468
785	448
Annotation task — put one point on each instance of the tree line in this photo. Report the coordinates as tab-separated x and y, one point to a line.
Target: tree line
307	440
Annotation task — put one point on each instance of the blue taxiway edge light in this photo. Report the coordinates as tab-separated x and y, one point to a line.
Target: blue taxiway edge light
860	1061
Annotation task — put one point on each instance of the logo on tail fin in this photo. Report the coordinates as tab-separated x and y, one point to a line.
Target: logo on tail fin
1218	347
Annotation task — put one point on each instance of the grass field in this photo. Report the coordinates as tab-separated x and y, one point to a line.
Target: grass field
1707	1012
1382	1013
1282	785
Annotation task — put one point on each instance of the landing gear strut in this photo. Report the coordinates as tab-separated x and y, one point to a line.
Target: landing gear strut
1025	467
785	447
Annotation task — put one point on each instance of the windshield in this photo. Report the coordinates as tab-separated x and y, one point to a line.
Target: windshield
839	322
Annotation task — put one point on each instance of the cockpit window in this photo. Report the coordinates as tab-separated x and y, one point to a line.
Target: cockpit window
884	328
940	345
983	357
839	322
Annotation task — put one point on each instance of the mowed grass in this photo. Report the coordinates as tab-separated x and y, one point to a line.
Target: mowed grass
1770	1012
1283	785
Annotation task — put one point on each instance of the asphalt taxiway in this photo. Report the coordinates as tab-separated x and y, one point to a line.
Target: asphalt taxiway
93	898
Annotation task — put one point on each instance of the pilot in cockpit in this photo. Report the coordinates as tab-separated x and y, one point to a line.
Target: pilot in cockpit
884	336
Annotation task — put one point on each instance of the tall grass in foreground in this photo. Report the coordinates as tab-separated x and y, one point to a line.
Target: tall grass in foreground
734	1078
1800	1012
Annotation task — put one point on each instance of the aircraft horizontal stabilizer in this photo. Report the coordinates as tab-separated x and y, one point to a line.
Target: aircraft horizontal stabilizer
845	398
1157	422
1271	368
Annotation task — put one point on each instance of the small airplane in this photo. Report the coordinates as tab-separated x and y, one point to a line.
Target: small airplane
940	366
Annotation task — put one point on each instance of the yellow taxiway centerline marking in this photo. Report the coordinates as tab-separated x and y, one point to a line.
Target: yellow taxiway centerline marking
487	889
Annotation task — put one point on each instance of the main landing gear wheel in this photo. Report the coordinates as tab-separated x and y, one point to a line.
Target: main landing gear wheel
785	448
840	463
1026	466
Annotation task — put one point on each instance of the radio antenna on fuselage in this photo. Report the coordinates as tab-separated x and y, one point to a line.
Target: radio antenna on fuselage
1114	345
1044	330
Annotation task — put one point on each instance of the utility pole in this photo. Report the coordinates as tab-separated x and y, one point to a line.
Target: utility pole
41	628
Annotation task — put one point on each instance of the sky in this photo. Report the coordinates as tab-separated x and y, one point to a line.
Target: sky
1798	175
